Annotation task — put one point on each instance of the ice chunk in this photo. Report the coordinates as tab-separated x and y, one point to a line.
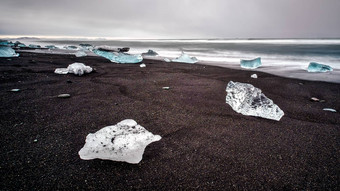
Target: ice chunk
125	141
51	47
34	46
186	59
251	64
75	68
254	76
142	65
61	71
119	57
71	47
86	46
315	67
150	53
6	51
329	109
249	100
167	60
112	49
80	53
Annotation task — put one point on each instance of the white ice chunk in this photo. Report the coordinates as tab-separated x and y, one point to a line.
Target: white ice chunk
142	65
75	68
329	109
125	141
254	76
249	100
186	59
167	60
80	53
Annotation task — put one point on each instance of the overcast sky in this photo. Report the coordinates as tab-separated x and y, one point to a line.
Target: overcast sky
172	18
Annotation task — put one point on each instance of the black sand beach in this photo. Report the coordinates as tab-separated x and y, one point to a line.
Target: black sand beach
205	145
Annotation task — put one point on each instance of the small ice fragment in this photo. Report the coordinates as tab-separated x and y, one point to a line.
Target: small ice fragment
6	51
185	59
142	65
329	109
80	53
125	141
51	47
251	64
119	57
150	53
71	47
166	88
14	90
249	100
254	76
167	60
35	140
61	71
315	67
64	96
314	99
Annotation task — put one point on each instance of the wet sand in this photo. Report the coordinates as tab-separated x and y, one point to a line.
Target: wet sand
205	144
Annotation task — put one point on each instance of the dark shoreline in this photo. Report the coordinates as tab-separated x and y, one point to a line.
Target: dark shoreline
205	144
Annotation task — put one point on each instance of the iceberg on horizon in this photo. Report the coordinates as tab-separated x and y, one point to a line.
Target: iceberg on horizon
75	68
150	53
251	64
249	100
125	142
185	59
6	51
316	67
120	57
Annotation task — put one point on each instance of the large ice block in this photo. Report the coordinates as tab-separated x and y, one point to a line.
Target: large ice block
249	100
119	57
125	141
251	64
186	59
6	51
316	67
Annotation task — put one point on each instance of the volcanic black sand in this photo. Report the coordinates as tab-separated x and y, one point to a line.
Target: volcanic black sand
204	145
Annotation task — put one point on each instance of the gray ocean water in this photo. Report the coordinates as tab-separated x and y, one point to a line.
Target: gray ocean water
279	56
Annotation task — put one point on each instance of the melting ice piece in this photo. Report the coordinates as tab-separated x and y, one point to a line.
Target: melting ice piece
86	46
142	65
167	60
329	109
125	141
51	47
315	67
6	51
34	46
254	76
249	100
71	47
75	68
251	64
186	59
80	53
150	53
119	57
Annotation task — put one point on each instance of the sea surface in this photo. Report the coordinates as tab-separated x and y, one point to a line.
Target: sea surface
284	57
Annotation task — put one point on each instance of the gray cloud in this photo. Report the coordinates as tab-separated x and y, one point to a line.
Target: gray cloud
172	19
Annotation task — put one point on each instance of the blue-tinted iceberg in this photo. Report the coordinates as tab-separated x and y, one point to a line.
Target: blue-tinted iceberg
71	47
34	46
119	57
315	67
51	47
150	53
125	141
251	64
249	100
6	51
186	59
